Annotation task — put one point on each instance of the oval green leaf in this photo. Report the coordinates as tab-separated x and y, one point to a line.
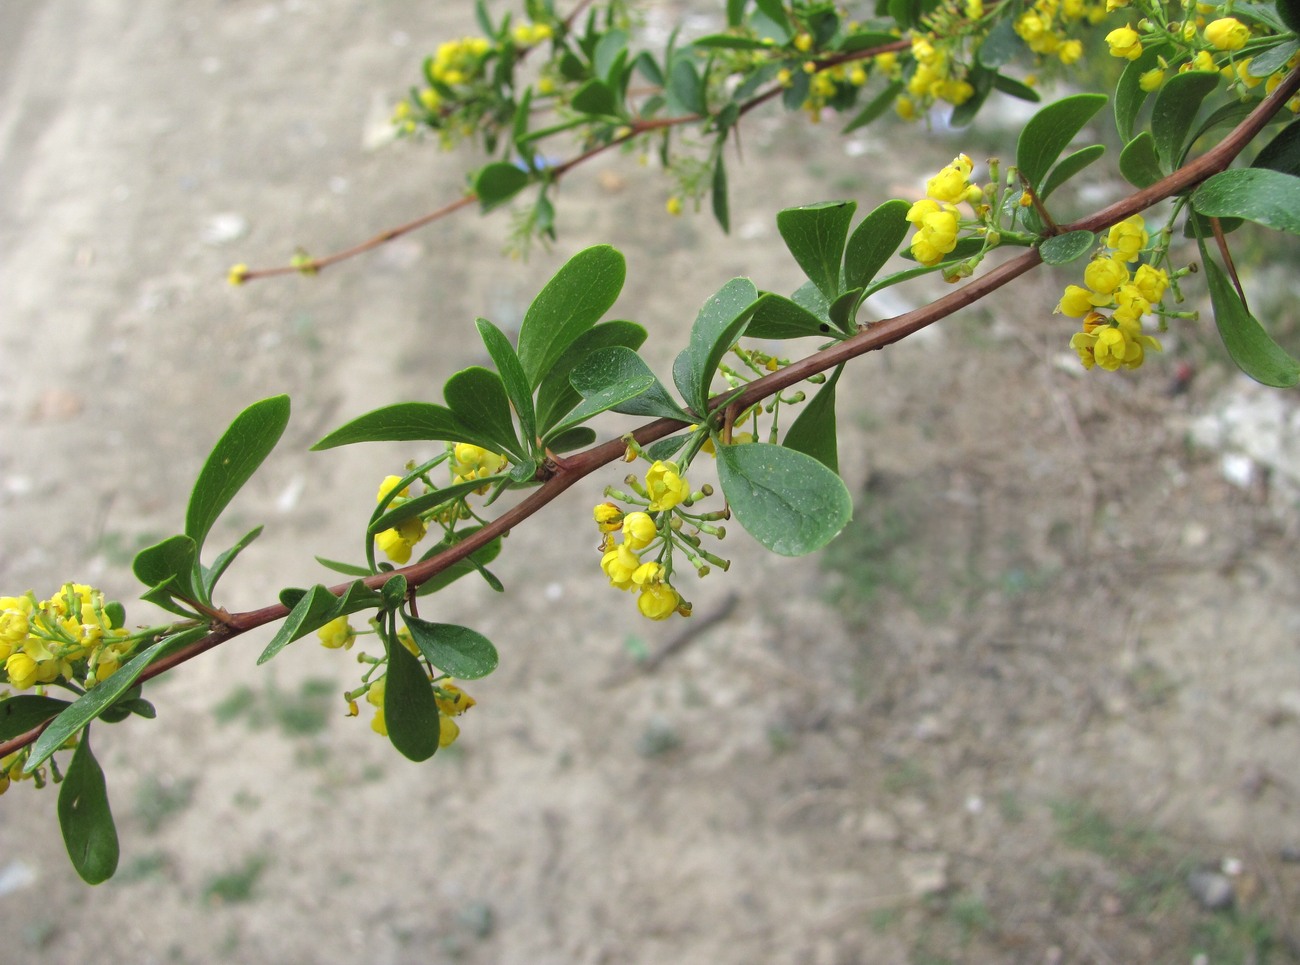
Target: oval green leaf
85	818
873	242
787	500
1050	131
478	398
570	303
815	235
1174	111
1252	348
1063	249
410	708
1262	195
459	651
512	377
498	182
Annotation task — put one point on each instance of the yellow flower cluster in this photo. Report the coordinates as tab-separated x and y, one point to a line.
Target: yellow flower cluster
528	34
1115	341
935	216
459	61
1045	27
657	599
936	78
396	543
73	636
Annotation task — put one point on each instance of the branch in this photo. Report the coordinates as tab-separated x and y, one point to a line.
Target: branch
573	468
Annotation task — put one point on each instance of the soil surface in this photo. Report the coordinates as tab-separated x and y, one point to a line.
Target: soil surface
1039	703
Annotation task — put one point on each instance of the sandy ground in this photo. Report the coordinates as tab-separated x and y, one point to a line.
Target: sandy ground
1048	674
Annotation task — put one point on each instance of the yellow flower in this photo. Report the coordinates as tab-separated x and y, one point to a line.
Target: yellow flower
337	634
1129	237
448	731
1124	42
1076	302
951	183
451	700
1150	80
803	42
470	462
1228	33
1151	282
639	531
392	545
673	206
1103	275
22	671
375	697
1071	51
608	517
665	487
647	573
657	601
619	564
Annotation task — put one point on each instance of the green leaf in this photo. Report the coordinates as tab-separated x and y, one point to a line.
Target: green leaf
873	242
478	398
1070	166
1063	249
1252	348
347	569
171	565
685	89
1050	131
721	210
403	422
736	12
1264	196
1275	58
311	612
875	107
815	235
595	97
555	396
1174	111
459	651
85	817
729	42
719	323
579	437
235	458
569	304
787	500
865	40
1014	88
610	50
498	182
425	502
103	695
219	566
844	309
619	379
1129	95
1283	152
1265	13
1139	163
410	707
393	592
814	432
1001	45
774	10
777	317
22	712
512	376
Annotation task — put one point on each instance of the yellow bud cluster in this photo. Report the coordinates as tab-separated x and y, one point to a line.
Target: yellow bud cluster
528	34
69	638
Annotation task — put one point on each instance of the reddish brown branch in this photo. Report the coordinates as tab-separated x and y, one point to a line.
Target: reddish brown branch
877	336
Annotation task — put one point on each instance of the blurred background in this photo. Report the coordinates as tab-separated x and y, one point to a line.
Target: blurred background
1040	702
